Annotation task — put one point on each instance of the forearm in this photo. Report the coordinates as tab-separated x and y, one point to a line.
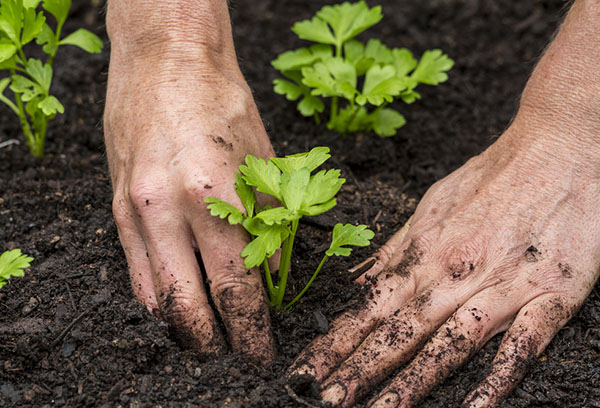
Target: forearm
564	89
185	32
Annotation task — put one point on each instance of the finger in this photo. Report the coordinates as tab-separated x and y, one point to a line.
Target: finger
378	262
534	327
236	291
177	278
136	255
469	328
349	330
389	346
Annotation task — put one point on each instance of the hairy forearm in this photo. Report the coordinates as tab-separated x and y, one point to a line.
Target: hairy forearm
180	30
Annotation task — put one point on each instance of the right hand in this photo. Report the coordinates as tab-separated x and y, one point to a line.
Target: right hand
176	131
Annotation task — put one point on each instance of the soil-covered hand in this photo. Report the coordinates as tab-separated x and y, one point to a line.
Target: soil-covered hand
508	242
179	121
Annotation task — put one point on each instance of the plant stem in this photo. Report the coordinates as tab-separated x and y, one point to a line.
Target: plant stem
269	279
284	266
31	140
313	277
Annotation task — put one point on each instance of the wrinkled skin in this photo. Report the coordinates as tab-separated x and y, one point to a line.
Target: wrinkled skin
178	123
508	242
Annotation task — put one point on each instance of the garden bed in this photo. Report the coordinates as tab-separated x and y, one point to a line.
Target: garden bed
71	333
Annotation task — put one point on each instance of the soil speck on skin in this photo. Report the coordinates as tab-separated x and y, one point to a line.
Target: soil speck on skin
222	142
207	186
532	254
412	257
565	270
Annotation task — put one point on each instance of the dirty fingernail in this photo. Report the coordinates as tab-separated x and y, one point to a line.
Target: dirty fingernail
363	266
335	394
387	400
304	369
476	402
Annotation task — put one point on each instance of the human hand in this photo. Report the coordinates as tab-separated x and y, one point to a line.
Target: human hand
508	242
179	120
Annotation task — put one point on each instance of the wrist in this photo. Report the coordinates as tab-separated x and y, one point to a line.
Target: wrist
188	34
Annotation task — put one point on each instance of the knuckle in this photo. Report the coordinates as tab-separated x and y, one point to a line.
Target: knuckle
472	322
197	188
121	211
460	261
144	191
236	296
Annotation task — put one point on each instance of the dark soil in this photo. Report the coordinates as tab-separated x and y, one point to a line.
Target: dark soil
71	333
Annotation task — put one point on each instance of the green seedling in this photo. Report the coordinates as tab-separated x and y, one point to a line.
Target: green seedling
13	263
301	193
368	77
30	79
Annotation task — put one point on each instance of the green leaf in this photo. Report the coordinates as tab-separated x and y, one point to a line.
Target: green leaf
379	52
8	64
332	77
11	19
319	208
297	59
223	209
403	61
310	160
386	122
290	90
354	52
308	105
3	84
265	176
26	87
7	51
432	67
315	30
293	188
31	3
246	194
13	263
41	73
351	119
277	215
32	25
381	84
58	8
267	241
47	38
323	186
50	106
85	40
348	234
349	19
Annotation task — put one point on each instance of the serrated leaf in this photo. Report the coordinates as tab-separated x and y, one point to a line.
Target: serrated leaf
310	105
32	25
381	84
85	40
7	51
310	160
41	73
277	215
403	61
290	90
348	234
319	208
387	121
223	210
349	19
297	59
332	77
379	52
293	188
47	38
350	119
26	87
432	67
13	263
51	106
267	241
315	30
8	64
58	8
265	176
354	52
323	186
246	194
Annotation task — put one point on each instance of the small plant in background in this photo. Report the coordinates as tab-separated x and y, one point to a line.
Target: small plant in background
367	76
13	263
301	193
29	78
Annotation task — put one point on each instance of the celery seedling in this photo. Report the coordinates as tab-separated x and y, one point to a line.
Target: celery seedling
29	78
364	75
12	263
301	193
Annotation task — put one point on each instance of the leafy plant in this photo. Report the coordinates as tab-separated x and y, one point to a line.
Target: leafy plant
29	78
364	75
12	263
301	193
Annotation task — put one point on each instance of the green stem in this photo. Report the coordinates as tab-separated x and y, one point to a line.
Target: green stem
58	30
31	141
269	279
289	305
317	119
284	266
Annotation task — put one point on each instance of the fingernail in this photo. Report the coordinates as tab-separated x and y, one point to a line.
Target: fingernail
476	401
363	266
305	369
387	400
334	394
